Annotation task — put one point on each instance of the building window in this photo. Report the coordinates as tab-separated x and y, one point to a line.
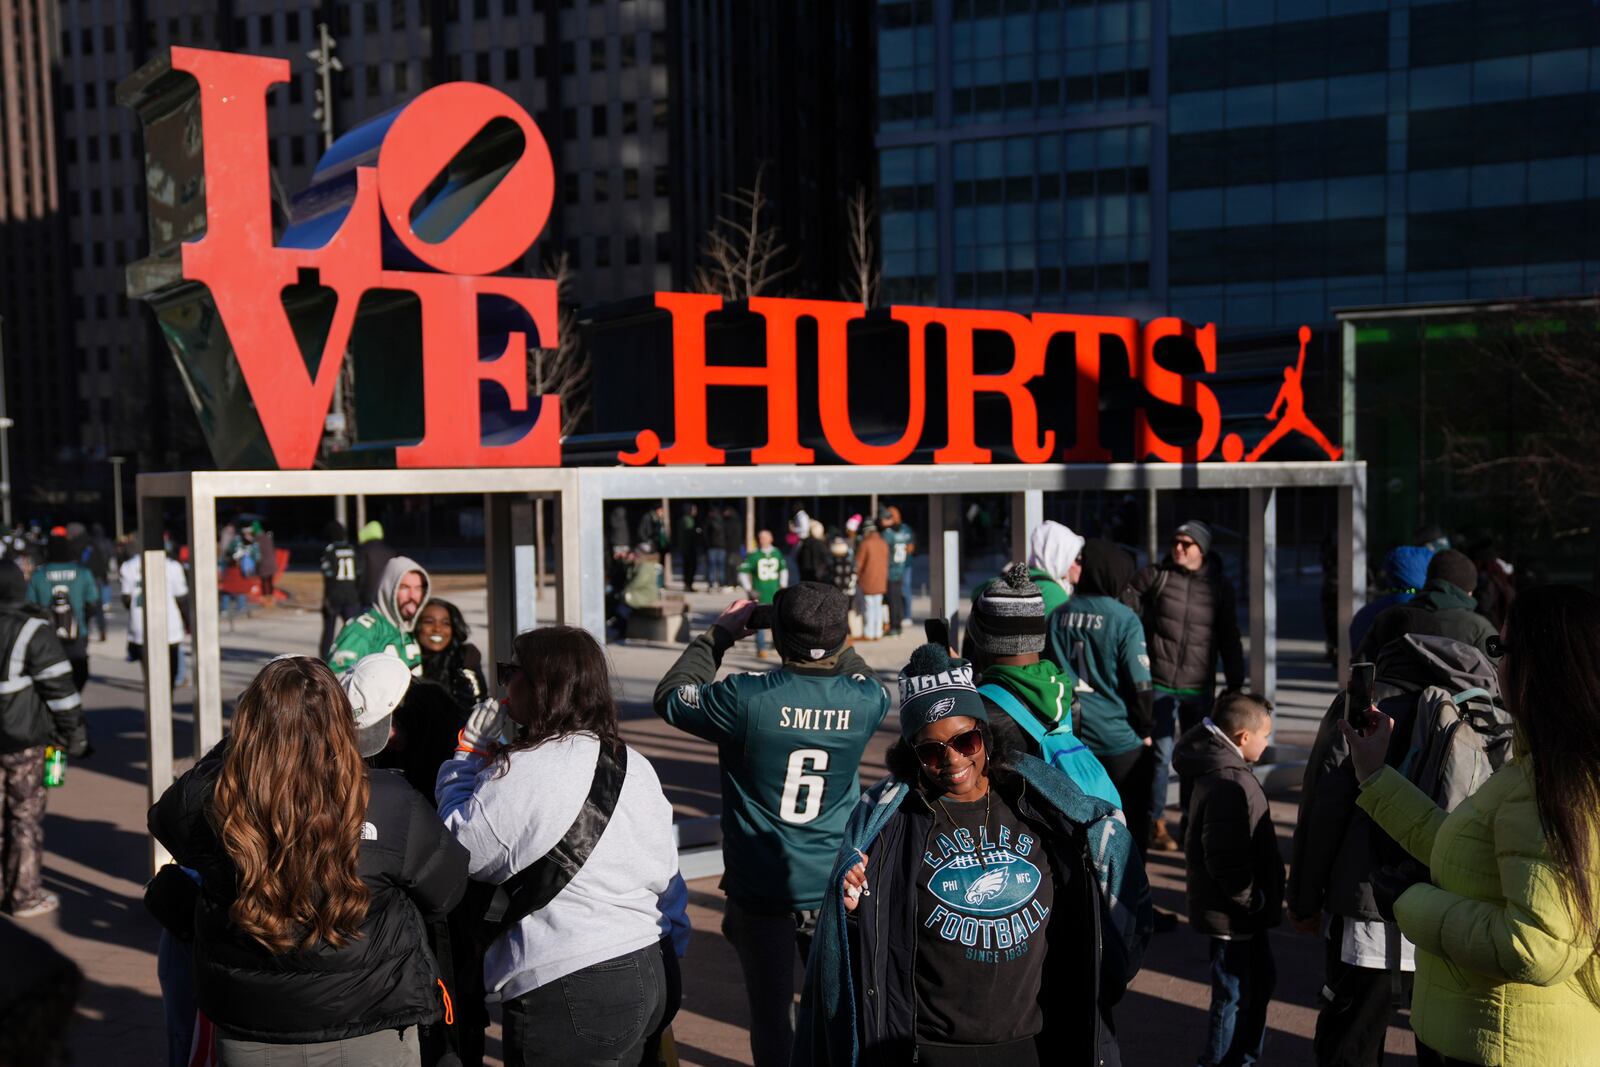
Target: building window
658	116
372	80
662	187
265	35
602	251
369	16
630	252
597	120
658	49
481	65
630	51
597	54
569	57
401	77
513	64
569	189
630	117
397	15
602	186
630	183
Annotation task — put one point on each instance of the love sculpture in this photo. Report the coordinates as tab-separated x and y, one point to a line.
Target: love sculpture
232	267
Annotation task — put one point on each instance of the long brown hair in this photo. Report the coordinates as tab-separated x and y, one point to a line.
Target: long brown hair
1553	693
289	803
569	690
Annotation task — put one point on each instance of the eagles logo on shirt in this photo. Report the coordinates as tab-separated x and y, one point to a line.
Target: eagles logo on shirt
986	892
1001	881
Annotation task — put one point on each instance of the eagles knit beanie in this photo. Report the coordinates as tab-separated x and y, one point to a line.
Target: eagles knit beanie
934	686
1008	615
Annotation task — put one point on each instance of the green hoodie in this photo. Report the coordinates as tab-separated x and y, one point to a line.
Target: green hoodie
1045	688
380	628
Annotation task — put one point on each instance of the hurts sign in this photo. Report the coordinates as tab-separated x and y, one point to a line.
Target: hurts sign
264	308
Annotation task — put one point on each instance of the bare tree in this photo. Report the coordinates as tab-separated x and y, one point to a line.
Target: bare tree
744	254
564	369
1535	447
863	283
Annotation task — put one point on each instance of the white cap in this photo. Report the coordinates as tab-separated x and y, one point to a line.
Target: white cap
375	685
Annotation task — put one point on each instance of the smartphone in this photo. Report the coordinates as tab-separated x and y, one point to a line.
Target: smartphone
1358	693
761	617
937	631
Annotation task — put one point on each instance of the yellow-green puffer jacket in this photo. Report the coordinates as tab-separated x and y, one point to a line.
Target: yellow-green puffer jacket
1498	952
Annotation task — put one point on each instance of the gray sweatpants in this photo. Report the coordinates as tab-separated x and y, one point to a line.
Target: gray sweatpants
386	1048
766	945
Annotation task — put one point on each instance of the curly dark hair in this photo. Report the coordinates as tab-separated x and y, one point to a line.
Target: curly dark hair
1001	745
570	690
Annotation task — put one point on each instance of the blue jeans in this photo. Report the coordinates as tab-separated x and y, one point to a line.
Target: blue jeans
175	973
1242	978
761	640
716	567
1172	716
905	594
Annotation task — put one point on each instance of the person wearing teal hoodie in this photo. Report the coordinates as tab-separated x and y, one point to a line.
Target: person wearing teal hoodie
982	908
1102	641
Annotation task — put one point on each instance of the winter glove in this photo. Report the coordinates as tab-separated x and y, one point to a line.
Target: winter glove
1390	882
484	727
76	744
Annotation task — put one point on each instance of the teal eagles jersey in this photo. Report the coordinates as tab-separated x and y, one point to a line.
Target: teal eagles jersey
72	579
789	746
765	567
900	539
1103	642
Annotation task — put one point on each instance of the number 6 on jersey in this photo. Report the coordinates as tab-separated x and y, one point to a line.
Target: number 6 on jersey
801	760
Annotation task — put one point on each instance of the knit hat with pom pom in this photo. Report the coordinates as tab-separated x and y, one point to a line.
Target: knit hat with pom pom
934	686
1008	615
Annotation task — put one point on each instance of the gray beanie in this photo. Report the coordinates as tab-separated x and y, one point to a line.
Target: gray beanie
1008	617
1198	532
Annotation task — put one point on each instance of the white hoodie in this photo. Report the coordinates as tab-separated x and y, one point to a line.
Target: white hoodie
1054	548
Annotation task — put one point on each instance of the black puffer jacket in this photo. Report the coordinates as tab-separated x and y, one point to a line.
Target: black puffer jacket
385	979
1189	621
1235	872
1441	609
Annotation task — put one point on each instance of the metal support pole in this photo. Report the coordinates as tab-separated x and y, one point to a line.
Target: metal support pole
1027	511
522	550
116	492
499	562
749	523
207	621
1352	547
944	554
361	514
1264	592
1152	527
158	681
581	584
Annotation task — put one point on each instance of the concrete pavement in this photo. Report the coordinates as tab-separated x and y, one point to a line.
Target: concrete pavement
98	856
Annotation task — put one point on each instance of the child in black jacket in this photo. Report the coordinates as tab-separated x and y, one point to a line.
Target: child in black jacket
1235	872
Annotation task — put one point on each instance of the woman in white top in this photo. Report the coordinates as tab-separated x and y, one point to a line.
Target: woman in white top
582	979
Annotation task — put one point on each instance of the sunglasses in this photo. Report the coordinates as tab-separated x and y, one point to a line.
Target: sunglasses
1183	544
931	754
1496	646
504	672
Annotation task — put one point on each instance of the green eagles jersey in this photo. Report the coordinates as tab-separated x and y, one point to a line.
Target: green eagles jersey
370	633
789	747
74	582
765	567
1103	640
900	538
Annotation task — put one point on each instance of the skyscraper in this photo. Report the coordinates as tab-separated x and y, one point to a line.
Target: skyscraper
40	363
1246	162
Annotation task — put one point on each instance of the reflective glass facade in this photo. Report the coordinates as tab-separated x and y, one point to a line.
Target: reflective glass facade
1249	162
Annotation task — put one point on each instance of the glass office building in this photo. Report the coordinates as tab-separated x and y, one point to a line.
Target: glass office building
1254	163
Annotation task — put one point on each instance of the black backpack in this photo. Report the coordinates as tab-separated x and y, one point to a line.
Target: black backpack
62	615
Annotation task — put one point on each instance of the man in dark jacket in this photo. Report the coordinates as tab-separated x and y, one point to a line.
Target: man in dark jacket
1235	873
38	706
1445	609
372	556
1187	606
1367	964
789	747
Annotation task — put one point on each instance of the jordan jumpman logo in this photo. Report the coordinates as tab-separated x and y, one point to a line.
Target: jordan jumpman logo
1292	400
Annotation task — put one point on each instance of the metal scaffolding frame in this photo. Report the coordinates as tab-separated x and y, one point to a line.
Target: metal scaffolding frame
580	495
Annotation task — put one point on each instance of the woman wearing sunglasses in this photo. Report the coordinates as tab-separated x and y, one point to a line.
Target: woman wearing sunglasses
1504	903
973	885
583	980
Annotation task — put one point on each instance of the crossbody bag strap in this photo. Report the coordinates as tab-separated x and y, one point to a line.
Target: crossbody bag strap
536	885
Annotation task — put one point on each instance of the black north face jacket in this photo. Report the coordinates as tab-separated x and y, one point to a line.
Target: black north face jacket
384	979
1189	621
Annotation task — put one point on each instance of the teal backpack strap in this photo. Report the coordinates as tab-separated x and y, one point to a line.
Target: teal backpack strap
1468	694
1015	708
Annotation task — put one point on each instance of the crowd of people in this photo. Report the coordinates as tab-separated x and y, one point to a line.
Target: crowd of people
466	843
